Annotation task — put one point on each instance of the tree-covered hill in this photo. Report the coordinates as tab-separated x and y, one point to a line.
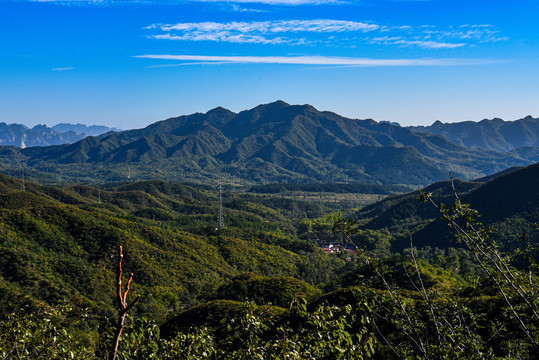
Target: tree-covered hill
509	202
260	288
330	188
60	242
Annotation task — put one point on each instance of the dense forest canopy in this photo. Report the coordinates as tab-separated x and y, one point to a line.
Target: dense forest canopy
298	270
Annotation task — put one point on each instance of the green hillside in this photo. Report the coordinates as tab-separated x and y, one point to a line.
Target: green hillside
509	202
261	287
61	242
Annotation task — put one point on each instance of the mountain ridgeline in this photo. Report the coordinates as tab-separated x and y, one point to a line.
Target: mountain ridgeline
495	134
42	135
275	142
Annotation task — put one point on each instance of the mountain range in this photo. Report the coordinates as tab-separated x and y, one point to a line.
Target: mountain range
41	135
274	142
92	130
495	134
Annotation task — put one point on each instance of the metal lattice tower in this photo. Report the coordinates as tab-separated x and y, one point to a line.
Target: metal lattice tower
23	187
220	220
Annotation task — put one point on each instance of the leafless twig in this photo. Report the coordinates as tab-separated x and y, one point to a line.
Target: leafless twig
123	307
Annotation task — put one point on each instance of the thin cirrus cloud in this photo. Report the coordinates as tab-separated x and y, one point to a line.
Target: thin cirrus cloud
236	38
241	9
303	32
146	2
479	33
63	68
472	33
317	25
425	44
259	32
315	60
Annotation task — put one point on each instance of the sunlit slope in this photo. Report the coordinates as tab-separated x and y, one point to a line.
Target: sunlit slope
274	142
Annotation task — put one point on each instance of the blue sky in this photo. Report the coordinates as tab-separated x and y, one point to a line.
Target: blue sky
129	63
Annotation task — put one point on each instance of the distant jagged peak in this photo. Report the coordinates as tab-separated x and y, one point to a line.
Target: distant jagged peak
21	126
41	127
91	130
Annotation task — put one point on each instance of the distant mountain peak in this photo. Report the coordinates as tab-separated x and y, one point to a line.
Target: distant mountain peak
92	130
490	134
42	135
272	105
219	109
278	103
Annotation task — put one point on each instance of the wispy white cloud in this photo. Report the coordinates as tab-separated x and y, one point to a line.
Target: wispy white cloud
227	37
63	69
425	44
260	32
433	37
278	26
318	60
240	8
479	33
266	2
187	64
308	32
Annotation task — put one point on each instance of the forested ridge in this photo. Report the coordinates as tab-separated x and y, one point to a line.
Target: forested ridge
262	287
275	142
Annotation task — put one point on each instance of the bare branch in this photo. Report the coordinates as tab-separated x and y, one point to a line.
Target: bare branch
123	308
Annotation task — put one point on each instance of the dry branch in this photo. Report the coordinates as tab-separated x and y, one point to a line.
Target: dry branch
123	307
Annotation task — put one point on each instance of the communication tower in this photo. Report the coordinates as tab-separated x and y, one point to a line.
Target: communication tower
220	220
23	187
